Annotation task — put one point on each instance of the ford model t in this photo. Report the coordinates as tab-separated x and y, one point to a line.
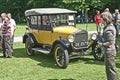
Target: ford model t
53	31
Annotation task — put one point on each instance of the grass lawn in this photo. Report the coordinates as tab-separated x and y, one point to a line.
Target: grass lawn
89	26
21	28
42	67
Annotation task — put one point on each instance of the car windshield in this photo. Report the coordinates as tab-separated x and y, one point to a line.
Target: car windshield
62	20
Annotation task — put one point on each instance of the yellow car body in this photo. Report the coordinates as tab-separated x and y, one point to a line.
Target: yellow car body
49	37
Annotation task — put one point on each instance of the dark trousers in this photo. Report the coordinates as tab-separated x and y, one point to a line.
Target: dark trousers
98	27
117	29
0	42
6	45
110	65
11	41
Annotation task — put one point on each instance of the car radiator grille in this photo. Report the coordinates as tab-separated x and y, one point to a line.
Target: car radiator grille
81	40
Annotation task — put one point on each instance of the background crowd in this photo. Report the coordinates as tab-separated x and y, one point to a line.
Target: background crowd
115	19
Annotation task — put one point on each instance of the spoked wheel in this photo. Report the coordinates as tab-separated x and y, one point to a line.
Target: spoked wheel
98	52
28	47
61	56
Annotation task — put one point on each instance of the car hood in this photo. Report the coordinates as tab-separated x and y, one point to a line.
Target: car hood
67	30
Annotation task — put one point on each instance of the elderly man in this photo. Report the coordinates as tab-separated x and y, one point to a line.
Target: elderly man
13	28
116	20
0	33
106	10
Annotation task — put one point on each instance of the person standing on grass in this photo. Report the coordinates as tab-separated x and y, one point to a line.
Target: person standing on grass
97	19
13	28
116	20
109	36
0	34
6	36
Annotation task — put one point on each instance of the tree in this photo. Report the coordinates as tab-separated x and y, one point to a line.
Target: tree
18	7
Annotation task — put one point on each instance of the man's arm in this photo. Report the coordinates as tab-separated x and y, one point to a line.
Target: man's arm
14	24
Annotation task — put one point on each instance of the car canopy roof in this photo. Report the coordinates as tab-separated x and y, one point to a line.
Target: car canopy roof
42	11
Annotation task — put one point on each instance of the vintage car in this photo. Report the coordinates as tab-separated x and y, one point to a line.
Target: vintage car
53	31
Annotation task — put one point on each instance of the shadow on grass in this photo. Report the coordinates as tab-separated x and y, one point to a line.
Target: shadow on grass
92	61
44	60
88	61
118	65
48	60
118	59
19	53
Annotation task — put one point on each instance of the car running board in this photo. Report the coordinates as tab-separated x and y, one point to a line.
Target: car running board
73	57
76	56
41	50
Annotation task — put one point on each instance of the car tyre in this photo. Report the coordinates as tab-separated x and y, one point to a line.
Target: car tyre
28	47
98	52
61	56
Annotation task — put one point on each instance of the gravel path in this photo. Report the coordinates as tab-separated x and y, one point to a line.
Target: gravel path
17	39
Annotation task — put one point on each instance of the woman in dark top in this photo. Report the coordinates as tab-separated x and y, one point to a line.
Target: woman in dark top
109	36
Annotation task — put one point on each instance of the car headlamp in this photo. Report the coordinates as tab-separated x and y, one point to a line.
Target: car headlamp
94	37
71	38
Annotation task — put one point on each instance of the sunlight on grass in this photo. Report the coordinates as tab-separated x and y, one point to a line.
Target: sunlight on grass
88	27
42	67
20	30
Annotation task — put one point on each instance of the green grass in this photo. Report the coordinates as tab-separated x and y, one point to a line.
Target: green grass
89	26
42	67
21	28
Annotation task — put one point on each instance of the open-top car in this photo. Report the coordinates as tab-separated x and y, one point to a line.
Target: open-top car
53	31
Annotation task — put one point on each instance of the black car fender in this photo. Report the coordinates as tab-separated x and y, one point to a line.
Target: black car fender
30	36
63	42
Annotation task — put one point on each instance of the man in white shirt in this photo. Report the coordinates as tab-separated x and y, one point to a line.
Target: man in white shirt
13	28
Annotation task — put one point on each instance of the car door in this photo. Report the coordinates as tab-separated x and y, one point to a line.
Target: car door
43	34
33	26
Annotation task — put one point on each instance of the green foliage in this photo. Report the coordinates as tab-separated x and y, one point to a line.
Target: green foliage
18	7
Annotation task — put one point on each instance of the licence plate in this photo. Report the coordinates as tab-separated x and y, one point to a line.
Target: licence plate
81	44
